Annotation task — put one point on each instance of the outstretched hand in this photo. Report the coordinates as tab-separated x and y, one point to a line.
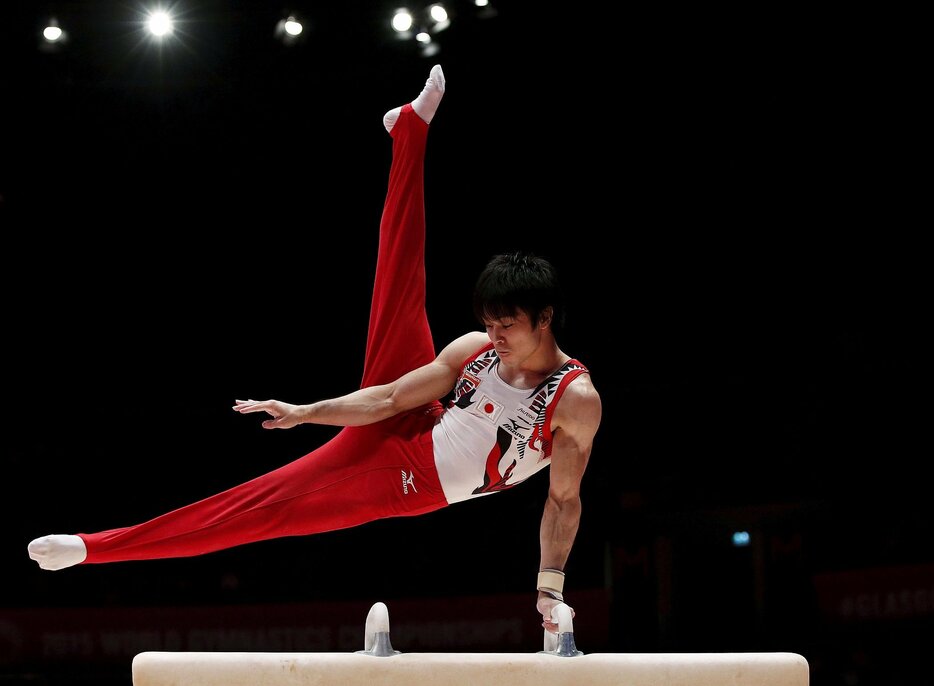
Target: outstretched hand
545	605
284	415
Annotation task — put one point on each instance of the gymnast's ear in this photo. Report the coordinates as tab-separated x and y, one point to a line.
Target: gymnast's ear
544	319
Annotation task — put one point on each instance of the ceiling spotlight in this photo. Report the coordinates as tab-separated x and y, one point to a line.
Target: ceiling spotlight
159	24
293	27
423	37
437	12
52	33
439	17
402	20
289	30
53	37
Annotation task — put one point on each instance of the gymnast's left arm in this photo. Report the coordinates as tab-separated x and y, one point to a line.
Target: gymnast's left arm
574	426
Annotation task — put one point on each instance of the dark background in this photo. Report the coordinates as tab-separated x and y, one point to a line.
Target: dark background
730	198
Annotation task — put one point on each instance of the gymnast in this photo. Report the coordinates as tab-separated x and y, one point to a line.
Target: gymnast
515	403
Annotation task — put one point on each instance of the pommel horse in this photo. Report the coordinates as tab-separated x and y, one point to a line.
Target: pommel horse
560	663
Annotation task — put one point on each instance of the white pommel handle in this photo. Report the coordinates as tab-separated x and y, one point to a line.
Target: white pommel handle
560	615
377	621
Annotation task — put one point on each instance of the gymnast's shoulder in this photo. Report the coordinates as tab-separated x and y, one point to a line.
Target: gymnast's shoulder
579	408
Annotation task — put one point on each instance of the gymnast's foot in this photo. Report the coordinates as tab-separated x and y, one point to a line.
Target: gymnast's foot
58	551
427	101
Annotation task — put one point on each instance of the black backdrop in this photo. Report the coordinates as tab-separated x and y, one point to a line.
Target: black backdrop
728	199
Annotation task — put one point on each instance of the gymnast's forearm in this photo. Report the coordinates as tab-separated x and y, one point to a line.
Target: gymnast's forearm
559	525
365	406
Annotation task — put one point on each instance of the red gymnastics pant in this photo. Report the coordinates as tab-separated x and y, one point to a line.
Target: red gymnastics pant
364	473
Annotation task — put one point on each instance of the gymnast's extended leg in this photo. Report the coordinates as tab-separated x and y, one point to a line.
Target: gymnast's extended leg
354	478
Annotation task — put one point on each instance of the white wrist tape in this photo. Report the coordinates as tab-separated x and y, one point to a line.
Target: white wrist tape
551	581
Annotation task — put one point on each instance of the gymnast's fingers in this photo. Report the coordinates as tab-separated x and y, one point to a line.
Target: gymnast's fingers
246	406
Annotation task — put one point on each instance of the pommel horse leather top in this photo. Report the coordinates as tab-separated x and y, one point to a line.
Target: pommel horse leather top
378	664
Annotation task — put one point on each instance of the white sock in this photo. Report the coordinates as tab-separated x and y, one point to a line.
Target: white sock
426	103
58	551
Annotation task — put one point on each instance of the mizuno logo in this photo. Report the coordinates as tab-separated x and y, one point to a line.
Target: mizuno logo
408	480
516	425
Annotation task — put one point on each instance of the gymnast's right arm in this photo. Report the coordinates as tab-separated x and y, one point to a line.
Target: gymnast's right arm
375	403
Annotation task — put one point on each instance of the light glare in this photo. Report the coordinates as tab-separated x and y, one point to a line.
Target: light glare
402	20
159	24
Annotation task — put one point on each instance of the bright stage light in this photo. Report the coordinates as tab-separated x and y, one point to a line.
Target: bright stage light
159	23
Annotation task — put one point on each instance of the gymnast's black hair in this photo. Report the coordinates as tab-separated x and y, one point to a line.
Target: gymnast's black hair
518	281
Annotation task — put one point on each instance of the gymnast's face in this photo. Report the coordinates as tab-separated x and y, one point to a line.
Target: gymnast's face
515	338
